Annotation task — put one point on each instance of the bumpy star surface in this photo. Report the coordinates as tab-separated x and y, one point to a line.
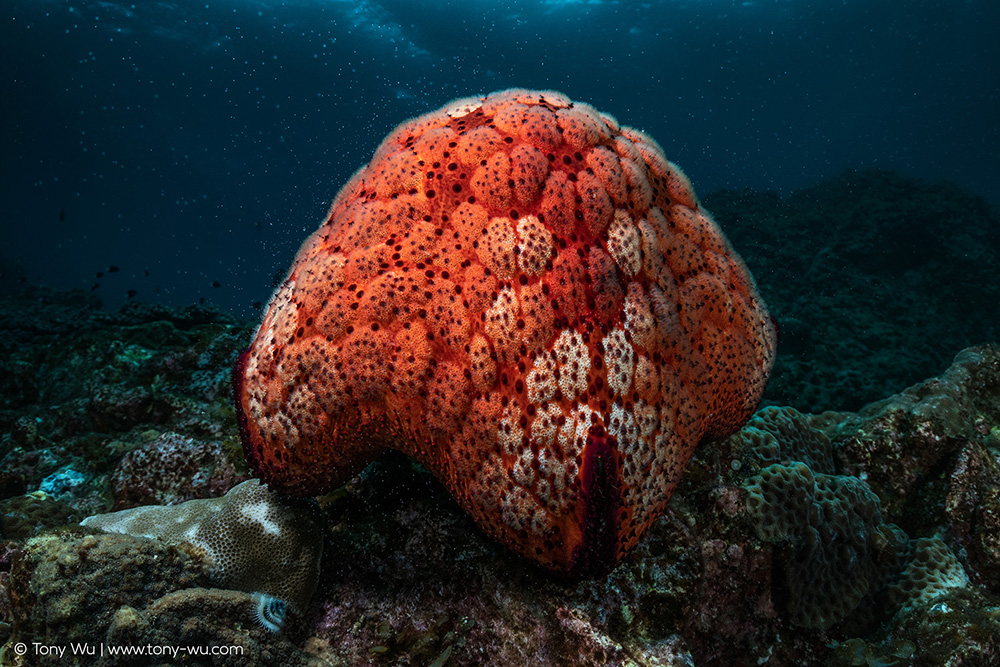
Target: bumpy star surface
528	299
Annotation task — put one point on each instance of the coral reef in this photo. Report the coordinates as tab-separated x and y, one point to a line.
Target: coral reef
876	281
901	458
972	508
81	387
932	571
408	579
32	513
99	592
172	468
66	579
255	539
914	448
831	524
529	300
711	583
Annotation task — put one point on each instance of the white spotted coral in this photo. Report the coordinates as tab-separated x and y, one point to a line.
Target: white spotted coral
257	540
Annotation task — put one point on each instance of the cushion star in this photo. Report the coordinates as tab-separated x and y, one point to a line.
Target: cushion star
528	299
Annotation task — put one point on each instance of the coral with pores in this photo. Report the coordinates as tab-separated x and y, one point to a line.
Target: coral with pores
932	571
257	540
124	592
831	523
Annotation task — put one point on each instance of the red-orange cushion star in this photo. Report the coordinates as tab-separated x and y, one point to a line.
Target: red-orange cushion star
528	299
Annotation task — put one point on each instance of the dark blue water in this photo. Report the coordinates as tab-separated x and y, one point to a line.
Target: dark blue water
194	145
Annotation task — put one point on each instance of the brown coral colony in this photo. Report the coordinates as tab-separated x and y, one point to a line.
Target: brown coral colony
528	299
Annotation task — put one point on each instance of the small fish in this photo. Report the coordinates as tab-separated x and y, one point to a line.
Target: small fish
216	283
113	269
132	293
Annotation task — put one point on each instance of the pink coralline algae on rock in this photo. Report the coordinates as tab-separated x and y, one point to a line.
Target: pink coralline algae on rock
170	469
528	299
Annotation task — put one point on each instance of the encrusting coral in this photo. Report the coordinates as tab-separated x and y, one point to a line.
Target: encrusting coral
932	571
256	539
527	298
843	560
831	522
29	514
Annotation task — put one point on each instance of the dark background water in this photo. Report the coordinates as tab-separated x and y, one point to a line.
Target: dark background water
194	145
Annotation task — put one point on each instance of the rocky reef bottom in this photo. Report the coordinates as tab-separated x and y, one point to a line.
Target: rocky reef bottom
869	537
842	538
